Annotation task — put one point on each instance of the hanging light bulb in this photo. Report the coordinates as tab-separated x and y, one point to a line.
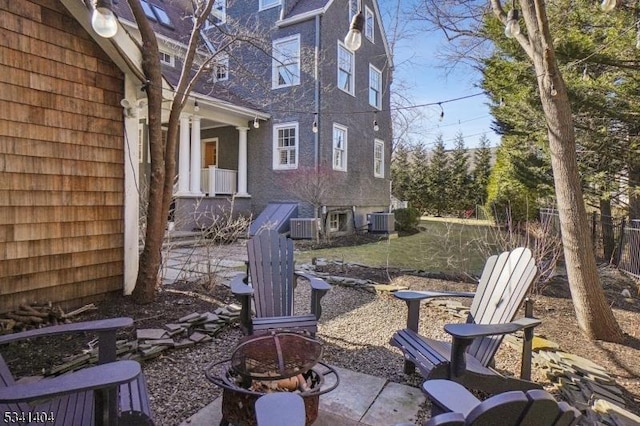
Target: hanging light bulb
314	126
585	74
375	125
553	91
353	40
501	102
512	28
441	112
256	123
103	21
196	107
608	5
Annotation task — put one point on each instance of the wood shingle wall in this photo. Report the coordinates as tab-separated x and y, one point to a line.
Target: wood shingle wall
61	159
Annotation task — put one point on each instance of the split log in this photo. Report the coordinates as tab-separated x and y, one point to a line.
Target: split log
25	318
89	307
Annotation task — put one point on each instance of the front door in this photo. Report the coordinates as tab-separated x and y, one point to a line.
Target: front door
210	154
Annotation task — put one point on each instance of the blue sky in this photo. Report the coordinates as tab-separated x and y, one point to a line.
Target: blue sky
418	67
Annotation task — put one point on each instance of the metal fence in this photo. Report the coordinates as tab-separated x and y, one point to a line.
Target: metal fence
614	239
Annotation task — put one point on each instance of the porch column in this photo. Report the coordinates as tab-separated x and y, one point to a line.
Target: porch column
196	155
183	157
242	162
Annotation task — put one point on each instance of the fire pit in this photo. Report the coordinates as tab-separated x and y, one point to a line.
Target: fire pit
275	362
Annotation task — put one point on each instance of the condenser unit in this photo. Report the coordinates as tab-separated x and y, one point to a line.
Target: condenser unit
381	222
303	228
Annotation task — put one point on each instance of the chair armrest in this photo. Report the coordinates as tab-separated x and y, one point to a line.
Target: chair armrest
408	295
110	324
318	289
472	331
98	377
315	282
239	287
447	396
413	299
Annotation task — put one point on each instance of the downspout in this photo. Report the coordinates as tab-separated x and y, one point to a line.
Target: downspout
316	96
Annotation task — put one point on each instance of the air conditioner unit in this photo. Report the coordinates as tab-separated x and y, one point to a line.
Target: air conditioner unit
303	228
381	222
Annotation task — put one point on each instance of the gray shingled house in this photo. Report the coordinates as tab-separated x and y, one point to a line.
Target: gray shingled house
296	127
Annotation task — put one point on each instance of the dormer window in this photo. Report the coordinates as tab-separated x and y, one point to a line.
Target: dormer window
267	4
148	11
221	68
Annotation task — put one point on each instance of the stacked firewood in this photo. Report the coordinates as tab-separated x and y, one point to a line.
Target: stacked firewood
35	316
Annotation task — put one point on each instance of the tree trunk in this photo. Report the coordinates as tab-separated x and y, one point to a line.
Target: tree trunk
634	185
606	223
151	257
594	315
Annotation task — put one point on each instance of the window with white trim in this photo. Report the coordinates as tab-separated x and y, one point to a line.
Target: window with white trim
353	9
339	147
218	14
369	24
286	62
167	58
267	4
345	69
375	87
285	146
221	68
337	221
378	158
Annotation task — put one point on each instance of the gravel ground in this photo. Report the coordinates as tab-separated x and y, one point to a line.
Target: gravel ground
355	326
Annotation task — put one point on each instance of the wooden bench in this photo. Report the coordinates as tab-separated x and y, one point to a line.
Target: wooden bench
110	393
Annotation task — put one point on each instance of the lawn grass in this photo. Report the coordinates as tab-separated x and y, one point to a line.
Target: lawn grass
441	246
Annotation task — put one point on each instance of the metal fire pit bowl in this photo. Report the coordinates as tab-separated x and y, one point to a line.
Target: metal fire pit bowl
238	403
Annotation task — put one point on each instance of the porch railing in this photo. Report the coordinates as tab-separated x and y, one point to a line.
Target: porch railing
215	181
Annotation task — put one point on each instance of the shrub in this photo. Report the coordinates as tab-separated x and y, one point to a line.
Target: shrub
407	220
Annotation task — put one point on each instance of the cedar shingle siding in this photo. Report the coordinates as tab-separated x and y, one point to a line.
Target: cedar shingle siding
61	159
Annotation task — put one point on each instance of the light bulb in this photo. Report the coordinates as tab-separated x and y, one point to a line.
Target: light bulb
608	5
375	126
196	107
512	28
353	40
314	127
256	123
103	21
553	91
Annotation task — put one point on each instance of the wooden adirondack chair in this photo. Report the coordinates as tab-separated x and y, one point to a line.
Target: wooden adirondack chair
501	290
111	393
273	280
453	405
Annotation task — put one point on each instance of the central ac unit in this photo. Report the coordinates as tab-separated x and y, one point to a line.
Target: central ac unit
303	228
381	222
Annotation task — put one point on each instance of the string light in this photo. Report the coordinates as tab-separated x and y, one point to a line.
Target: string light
314	126
375	122
196	107
256	123
441	112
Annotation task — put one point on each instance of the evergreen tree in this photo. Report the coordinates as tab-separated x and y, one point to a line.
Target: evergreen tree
437	179
481	171
401	173
459	188
419	198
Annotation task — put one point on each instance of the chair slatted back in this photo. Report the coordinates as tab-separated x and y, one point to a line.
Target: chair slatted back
6	379
504	283
271	269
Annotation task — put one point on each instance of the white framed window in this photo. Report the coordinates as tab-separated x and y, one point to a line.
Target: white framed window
268	4
337	221
286	62
147	10
167	58
221	68
378	158
218	14
345	69
369	23
285	146
339	147
375	87
353	9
